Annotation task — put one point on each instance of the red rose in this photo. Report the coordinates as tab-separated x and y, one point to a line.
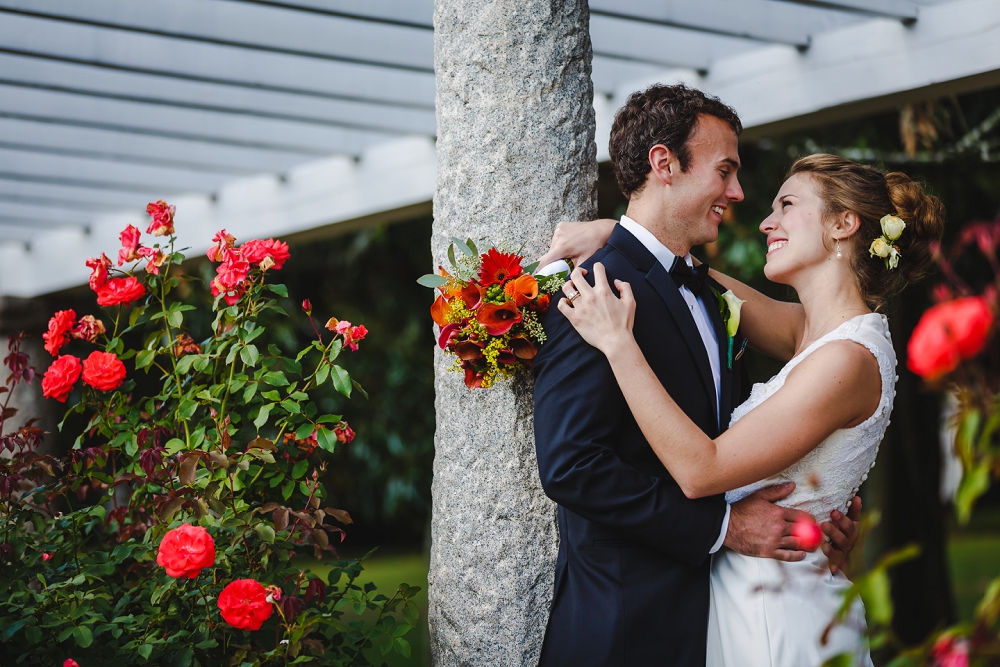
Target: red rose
343	432
154	259
255	252
946	334
98	271
120	291
130	245
233	270
70	662
60	377
103	371
243	604
163	218
185	551
60	327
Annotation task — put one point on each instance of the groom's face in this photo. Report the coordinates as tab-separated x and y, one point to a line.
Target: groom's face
699	197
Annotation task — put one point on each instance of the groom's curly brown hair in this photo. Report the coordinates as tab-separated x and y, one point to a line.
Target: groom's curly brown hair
664	115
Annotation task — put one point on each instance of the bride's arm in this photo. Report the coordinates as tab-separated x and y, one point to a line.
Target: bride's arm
772	327
832	388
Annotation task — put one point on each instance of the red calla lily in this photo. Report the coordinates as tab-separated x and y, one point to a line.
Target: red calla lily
468	350
472	295
447	332
523	348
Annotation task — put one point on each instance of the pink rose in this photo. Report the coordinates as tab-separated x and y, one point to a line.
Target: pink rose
223	241
154	259
255	252
163	218
130	245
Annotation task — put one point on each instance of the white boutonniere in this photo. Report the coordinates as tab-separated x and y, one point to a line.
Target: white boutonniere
729	308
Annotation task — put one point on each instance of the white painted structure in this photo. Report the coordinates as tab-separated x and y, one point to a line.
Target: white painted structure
278	117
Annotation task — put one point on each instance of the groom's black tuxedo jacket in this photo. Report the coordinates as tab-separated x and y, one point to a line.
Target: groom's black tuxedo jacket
631	585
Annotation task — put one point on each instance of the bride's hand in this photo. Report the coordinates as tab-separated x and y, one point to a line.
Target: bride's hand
604	320
576	241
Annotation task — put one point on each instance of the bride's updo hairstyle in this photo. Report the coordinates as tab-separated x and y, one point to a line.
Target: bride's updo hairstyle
848	186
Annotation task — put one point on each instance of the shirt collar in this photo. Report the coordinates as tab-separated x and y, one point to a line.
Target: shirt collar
663	254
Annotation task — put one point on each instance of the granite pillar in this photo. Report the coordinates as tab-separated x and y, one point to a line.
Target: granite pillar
516	154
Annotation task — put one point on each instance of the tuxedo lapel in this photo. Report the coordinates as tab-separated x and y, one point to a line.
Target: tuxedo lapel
725	373
664	285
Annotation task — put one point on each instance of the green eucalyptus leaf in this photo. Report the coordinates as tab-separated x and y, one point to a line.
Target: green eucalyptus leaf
432	281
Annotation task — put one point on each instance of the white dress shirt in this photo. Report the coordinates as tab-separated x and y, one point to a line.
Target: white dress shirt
702	319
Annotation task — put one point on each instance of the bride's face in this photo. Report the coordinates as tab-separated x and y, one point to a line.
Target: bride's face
795	230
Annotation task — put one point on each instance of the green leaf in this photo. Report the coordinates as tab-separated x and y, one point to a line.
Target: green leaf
262	415
291	407
184	365
432	281
329	419
322	374
874	589
145	650
472	246
187	408
304	431
175	318
410	612
144	358
249	392
530	268
360	389
286	491
461	245
280	290
451	257
840	660
134	316
83	636
275	379
249	354
300	468
341	380
265	532
271	395
201	363
974	483
326	439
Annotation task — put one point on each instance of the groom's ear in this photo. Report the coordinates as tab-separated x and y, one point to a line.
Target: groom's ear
663	164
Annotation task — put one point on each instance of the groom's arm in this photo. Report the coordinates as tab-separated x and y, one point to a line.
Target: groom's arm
578	411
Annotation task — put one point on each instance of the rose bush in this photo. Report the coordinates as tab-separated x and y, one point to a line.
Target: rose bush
175	529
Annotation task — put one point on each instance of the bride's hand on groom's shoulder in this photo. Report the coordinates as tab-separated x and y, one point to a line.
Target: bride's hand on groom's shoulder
601	318
577	240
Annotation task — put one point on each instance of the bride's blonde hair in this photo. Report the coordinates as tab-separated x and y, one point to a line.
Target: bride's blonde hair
844	186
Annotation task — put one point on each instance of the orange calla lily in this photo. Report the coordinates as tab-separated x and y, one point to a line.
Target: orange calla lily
439	311
498	319
523	290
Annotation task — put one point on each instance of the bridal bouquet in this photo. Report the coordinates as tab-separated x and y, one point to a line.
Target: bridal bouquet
488	311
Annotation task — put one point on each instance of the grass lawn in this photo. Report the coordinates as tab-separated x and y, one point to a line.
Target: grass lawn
387	570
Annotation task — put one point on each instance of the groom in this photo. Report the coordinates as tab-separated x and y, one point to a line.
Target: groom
632	575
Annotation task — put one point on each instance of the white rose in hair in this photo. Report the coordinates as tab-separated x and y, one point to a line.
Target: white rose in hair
892	227
880	247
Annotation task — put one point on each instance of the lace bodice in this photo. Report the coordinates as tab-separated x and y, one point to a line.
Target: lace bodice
829	476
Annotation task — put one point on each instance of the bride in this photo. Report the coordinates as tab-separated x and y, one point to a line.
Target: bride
846	237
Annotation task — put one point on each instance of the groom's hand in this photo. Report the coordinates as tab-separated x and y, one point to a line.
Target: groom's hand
758	527
843	533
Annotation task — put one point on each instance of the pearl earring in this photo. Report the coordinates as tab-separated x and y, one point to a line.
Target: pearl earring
839	254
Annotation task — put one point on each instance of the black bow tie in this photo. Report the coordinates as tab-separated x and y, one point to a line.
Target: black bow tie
685	276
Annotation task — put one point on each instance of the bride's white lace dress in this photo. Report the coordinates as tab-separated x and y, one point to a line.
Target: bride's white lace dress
767	613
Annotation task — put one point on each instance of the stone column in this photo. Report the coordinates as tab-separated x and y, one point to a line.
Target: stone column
515	154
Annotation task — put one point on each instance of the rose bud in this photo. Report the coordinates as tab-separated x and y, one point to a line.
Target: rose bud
807	533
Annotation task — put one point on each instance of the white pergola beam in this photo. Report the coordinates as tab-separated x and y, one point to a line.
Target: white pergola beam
760	20
897	9
875	64
155	119
396	175
126	147
111	84
251	26
201	61
408	12
86	199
